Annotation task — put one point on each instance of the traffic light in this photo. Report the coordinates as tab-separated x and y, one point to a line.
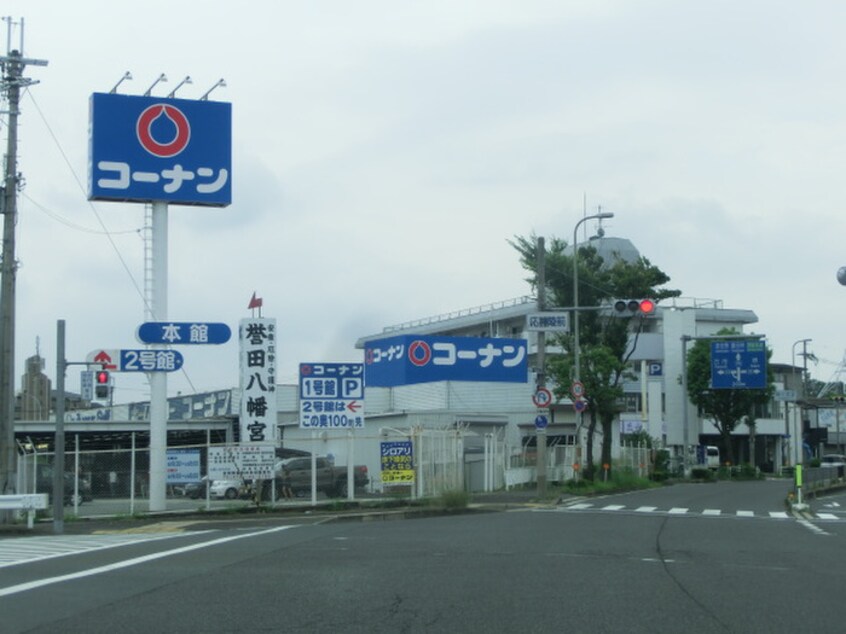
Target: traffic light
102	385
631	307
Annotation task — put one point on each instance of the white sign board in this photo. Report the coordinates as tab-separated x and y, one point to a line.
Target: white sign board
183	465
331	395
548	322
241	462
258	380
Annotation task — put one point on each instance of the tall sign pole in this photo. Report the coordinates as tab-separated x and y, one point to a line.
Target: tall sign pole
159	151
12	66
158	380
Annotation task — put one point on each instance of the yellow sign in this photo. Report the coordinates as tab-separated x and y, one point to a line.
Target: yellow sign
396	476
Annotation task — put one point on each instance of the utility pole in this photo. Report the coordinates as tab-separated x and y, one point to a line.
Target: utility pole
540	437
12	66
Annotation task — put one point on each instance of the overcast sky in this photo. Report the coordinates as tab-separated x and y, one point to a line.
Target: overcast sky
384	152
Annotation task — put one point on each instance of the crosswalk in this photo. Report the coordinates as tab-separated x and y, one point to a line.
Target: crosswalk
685	511
19	550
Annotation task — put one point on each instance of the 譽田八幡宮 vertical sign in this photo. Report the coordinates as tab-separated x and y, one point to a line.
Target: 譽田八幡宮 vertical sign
331	395
258	380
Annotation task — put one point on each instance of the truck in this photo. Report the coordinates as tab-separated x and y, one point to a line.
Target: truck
331	480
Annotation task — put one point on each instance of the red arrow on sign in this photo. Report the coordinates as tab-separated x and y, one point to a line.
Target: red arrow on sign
105	360
354	406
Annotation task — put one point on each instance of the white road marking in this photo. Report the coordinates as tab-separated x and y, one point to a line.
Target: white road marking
23	550
32	585
646	509
780	515
746	514
827	516
711	512
677	511
613	507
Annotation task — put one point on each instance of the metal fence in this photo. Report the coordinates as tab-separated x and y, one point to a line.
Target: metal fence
113	482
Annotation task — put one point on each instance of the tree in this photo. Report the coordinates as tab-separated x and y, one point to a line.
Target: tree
604	339
725	407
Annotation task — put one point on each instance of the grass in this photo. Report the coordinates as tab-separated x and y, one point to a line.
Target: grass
620	480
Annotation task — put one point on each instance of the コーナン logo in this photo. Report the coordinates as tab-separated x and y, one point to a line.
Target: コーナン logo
164	118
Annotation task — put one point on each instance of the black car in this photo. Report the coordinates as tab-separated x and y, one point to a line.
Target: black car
196	490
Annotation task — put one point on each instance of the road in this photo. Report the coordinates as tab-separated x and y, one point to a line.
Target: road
626	563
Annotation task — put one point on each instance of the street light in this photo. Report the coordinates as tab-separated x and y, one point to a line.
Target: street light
577	376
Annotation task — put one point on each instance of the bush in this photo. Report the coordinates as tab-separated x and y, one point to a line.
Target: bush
702	473
455	499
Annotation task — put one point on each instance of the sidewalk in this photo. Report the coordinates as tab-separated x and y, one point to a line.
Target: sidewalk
367	509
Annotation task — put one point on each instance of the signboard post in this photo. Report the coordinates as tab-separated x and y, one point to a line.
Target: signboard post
331	395
183	333
548	322
738	364
157	360
397	462
159	151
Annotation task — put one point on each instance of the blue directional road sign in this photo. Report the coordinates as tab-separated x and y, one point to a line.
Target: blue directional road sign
150	361
187	333
541	421
738	364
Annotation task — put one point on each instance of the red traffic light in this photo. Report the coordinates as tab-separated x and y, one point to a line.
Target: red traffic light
647	306
101	377
634	306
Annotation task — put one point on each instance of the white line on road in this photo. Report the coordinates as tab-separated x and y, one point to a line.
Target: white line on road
711	512
32	585
827	516
811	527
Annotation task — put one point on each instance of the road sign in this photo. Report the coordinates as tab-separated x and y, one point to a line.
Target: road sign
542	397
183	333
331	395
785	395
136	360
86	385
541	422
579	405
738	364
548	322
577	389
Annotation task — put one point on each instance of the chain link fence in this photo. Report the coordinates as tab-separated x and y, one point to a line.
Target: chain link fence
412	463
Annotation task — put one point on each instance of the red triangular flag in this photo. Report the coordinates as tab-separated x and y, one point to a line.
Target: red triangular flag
255	302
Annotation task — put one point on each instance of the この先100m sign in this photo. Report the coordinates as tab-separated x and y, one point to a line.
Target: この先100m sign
331	395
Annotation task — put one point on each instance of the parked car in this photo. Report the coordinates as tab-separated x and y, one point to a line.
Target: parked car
330	479
194	490
226	489
834	461
82	487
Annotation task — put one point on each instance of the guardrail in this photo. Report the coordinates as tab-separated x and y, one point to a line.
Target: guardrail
29	502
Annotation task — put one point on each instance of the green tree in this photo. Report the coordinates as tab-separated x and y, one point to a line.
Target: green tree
725	407
604	338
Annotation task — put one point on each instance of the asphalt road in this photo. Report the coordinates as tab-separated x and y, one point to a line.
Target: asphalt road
661	560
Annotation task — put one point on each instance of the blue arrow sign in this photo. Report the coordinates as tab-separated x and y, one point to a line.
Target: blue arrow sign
541	422
738	364
150	361
183	332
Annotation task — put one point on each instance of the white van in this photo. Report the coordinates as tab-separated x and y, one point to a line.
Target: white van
712	457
